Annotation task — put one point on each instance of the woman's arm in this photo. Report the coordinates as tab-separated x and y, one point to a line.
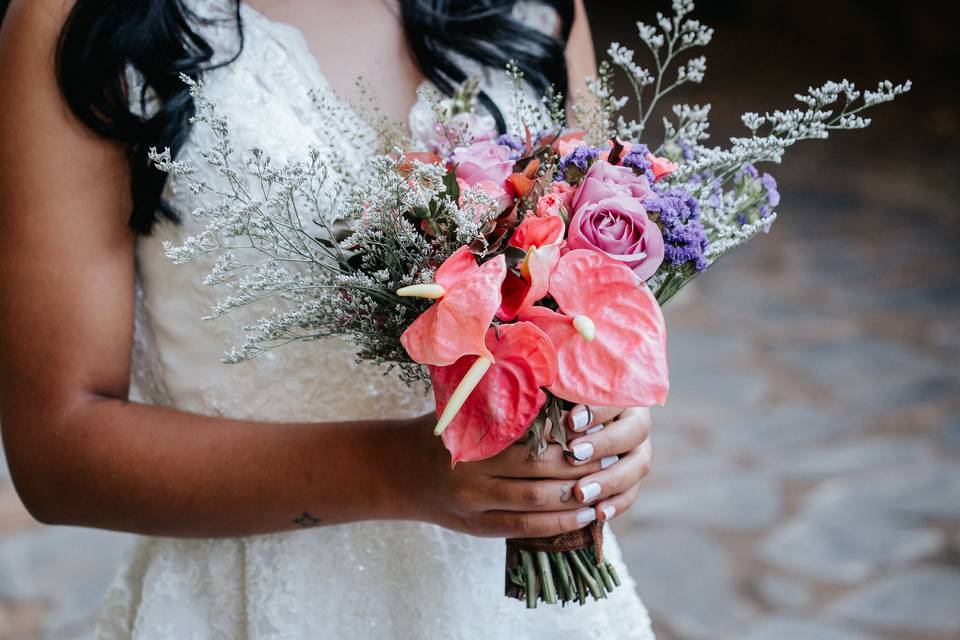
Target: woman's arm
81	454
581	58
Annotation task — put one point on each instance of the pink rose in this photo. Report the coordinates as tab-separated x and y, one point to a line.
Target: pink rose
564	147
564	189
483	161
438	135
552	204
662	167
620	228
495	191
604	180
489	187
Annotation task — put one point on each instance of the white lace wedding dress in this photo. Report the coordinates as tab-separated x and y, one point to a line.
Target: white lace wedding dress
369	580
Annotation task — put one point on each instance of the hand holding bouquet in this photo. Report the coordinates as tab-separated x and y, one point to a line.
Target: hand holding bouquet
522	273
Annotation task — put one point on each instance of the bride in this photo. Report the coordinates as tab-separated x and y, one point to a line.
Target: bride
301	495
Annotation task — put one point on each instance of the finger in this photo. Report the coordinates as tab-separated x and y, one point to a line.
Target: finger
510	524
630	470
629	432
618	504
514	462
512	494
583	417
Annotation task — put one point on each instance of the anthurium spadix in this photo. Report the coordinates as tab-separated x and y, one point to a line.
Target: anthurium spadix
467	297
506	398
609	333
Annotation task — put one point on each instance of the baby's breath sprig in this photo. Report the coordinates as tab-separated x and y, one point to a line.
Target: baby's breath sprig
318	245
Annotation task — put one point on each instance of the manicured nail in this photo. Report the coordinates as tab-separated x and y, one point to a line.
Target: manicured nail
580	418
608	460
596	428
586	515
582	451
590	491
608	511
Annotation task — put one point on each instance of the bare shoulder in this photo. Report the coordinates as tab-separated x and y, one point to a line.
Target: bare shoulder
28	44
66	251
36	22
49	161
581	59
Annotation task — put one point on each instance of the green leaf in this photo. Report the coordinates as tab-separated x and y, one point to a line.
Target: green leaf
453	187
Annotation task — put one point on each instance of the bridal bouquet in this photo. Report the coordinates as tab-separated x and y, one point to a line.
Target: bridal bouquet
520	272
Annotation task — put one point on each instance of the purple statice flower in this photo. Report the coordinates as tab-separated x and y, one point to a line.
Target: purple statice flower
515	143
771	196
715	198
637	160
762	192
746	172
686	150
518	145
684	239
578	160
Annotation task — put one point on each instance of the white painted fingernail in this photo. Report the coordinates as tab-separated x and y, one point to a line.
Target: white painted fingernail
580	418
608	511
586	515
582	451
596	428
607	461
590	491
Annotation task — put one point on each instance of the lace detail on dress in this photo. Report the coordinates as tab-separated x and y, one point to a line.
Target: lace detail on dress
367	580
147	376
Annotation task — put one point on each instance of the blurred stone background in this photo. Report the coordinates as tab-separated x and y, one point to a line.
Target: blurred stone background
807	475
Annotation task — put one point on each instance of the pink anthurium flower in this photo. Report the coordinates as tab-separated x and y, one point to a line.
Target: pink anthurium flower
540	238
467	297
507	398
609	334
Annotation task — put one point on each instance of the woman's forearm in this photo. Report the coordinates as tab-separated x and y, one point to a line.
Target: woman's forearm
132	467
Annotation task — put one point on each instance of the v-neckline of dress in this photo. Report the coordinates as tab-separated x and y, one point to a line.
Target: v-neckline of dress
308	59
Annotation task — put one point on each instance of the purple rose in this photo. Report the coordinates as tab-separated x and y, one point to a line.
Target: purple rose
620	228
605	180
483	161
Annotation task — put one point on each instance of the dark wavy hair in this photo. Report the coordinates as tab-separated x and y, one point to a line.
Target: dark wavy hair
101	39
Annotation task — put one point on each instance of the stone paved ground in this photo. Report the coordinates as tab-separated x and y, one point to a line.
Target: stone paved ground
807	474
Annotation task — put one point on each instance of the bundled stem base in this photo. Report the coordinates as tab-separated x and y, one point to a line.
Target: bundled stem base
566	568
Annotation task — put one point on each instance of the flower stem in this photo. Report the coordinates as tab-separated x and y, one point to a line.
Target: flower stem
581	589
585	576
594	571
546	578
607	578
530	573
563	584
613	574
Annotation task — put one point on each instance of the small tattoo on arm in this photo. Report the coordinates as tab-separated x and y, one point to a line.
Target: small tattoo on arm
306	520
566	492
